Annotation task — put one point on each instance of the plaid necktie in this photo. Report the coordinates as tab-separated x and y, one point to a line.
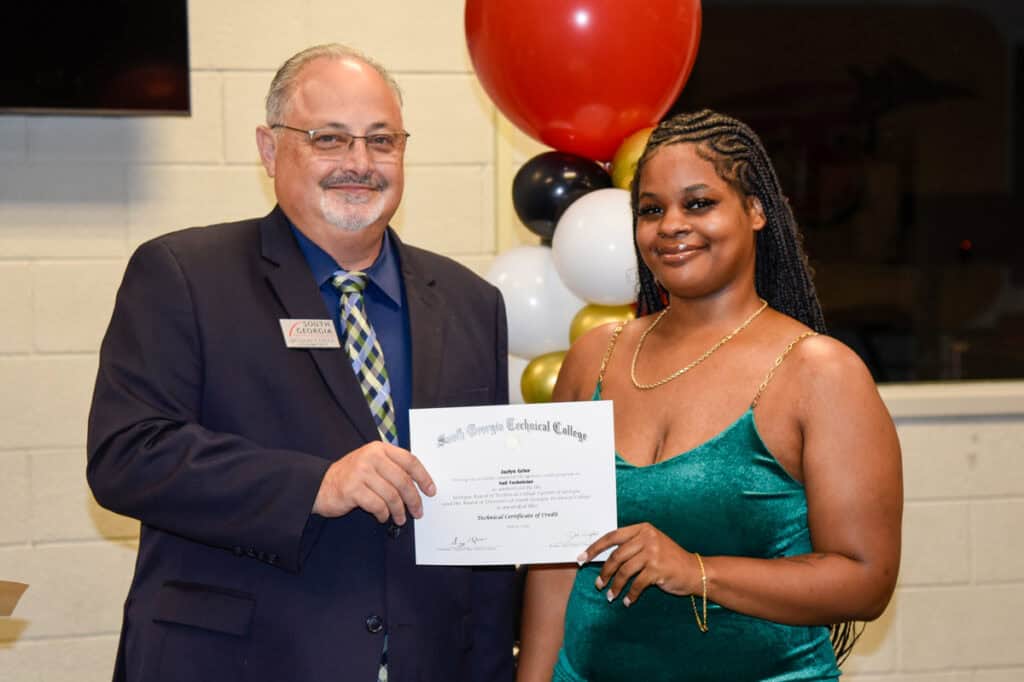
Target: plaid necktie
365	353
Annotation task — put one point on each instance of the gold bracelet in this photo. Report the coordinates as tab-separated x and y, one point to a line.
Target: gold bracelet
702	624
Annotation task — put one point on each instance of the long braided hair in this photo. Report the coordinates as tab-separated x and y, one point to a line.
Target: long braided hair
782	275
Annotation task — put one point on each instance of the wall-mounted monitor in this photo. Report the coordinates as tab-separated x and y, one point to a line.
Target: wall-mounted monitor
897	131
120	57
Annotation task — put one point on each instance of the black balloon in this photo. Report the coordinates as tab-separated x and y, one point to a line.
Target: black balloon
546	185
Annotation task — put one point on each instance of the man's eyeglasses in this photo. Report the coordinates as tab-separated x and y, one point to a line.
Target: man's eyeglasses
381	145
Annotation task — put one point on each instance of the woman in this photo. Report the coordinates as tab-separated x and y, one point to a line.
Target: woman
758	472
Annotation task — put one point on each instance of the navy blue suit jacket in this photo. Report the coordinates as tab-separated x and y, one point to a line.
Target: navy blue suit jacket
213	434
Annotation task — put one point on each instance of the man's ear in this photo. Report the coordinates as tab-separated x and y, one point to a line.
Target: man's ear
756	211
266	142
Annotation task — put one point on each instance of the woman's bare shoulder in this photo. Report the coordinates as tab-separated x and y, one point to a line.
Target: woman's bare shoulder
582	364
830	372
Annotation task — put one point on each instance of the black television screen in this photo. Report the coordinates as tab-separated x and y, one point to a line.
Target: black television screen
101	57
897	132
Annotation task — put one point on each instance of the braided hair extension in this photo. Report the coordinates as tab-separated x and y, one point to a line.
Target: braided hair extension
782	274
844	636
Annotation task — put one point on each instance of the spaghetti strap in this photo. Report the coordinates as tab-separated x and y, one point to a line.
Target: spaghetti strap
608	353
775	366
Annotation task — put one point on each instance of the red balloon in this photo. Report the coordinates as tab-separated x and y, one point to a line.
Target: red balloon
581	75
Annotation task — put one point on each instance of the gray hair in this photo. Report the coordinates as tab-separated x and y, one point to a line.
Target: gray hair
282	86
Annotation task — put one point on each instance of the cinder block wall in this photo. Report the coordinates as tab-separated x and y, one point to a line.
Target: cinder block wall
77	195
959	607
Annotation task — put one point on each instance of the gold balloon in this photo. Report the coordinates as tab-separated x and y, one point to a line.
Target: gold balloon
538	381
594	315
624	161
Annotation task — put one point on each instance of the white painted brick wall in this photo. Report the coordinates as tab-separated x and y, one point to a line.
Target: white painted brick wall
15	498
166	198
999	675
450	118
16	307
421	37
963	627
997	534
45	400
72	301
257	34
73	586
244	95
936	545
958	611
13	140
77	194
78	659
62	509
458	222
62	209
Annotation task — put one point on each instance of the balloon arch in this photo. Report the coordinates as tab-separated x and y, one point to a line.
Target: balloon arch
589	78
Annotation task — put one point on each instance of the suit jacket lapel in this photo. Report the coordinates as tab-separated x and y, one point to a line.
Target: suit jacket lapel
426	325
289	277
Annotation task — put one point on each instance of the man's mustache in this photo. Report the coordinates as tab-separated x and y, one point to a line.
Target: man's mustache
369	180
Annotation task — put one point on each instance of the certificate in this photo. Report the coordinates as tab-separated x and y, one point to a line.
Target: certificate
516	484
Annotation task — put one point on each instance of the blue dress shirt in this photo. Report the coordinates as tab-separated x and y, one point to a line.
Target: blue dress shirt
384	298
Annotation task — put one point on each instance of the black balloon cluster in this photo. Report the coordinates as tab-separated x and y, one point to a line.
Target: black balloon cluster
546	185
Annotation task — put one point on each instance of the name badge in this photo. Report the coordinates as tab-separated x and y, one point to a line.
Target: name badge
309	333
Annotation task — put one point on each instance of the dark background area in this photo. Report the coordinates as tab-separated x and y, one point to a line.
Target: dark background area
898	135
99	57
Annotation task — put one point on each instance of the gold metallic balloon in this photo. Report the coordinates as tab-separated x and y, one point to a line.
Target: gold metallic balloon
624	161
538	381
594	315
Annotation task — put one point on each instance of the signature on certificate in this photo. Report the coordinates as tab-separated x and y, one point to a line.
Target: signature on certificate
468	541
576	537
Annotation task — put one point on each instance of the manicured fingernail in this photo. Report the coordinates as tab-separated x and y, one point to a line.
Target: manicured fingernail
582	558
430	489
599	582
626	602
610	595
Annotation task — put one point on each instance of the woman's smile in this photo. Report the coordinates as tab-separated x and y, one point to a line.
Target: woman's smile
676	252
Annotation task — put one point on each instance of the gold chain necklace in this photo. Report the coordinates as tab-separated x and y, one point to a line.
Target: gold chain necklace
680	372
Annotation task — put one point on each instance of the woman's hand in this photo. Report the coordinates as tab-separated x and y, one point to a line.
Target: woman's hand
648	556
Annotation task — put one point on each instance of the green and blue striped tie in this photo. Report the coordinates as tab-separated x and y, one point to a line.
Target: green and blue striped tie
364	351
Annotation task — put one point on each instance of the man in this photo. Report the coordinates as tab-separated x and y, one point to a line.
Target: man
265	454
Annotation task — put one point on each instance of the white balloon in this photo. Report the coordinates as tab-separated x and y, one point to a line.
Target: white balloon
538	305
516	365
593	248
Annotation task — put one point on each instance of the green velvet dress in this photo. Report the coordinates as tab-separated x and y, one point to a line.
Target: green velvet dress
728	496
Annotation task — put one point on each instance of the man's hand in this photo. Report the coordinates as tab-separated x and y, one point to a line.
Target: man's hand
379	478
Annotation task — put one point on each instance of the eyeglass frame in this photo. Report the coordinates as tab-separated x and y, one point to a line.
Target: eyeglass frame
310	134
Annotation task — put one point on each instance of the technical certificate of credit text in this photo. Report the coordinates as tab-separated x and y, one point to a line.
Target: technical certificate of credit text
516	484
